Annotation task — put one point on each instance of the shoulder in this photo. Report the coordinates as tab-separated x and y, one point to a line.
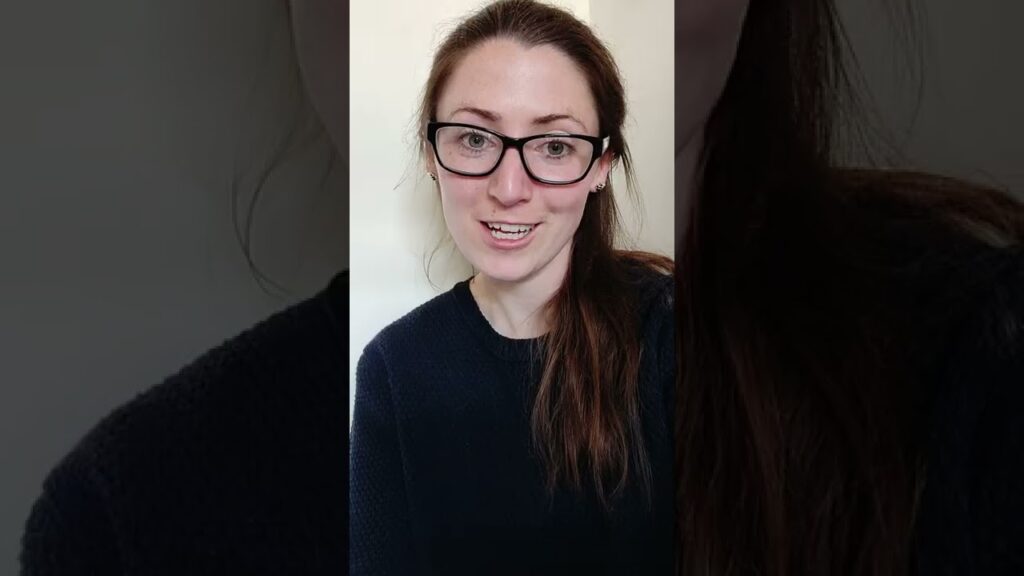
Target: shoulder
69	529
257	397
925	211
432	322
288	354
652	289
920	249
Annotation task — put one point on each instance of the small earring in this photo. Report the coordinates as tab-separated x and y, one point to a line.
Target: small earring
600	186
432	177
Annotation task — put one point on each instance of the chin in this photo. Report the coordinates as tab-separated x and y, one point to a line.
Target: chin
503	271
504	274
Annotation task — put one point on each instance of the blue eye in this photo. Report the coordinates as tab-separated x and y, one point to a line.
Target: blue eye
557	148
475	140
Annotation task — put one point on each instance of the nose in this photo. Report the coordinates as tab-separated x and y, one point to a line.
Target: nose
510	184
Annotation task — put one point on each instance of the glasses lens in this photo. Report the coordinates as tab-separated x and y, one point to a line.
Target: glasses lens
467	150
555	158
558	158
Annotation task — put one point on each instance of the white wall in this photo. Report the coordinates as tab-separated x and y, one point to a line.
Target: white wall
395	219
641	35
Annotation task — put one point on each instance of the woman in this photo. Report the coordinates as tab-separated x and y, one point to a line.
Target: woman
519	422
234	464
851	340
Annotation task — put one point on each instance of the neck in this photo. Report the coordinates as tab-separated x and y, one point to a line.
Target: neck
518	309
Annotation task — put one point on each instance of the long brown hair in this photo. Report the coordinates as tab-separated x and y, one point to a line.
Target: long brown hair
586	413
811	300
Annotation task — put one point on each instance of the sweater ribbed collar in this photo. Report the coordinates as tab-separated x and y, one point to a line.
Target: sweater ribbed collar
513	349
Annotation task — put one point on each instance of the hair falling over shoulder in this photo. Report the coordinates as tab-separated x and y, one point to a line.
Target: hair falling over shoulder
803	328
586	413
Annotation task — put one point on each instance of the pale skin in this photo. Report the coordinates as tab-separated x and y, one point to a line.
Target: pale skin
518	91
707	33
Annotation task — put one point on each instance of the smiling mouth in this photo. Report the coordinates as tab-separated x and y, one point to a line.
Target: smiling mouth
505	231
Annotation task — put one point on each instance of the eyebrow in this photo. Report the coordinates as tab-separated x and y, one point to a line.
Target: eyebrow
485	114
540	121
555	118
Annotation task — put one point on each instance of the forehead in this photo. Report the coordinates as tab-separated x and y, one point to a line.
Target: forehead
519	84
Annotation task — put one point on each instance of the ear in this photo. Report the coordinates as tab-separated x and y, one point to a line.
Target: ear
429	160
603	172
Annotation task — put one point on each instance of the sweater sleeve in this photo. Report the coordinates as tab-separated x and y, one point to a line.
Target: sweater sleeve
69	530
380	535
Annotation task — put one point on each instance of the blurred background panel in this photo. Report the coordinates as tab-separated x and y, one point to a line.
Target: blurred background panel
130	131
948	89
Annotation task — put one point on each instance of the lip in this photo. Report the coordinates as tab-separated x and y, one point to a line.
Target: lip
501	244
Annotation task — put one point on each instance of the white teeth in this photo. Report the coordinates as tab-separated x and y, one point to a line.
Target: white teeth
515	228
509	231
508	235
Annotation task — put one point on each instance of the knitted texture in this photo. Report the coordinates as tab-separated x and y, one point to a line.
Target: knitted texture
444	479
234	465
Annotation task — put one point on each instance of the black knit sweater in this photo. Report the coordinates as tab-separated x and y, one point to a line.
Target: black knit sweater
234	465
444	479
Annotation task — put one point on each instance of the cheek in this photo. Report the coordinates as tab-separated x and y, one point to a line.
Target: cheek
568	204
457	199
460	209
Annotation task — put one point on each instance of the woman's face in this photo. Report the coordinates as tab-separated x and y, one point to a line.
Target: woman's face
707	33
510	227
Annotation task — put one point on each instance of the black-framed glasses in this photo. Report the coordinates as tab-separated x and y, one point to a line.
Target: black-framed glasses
469	150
